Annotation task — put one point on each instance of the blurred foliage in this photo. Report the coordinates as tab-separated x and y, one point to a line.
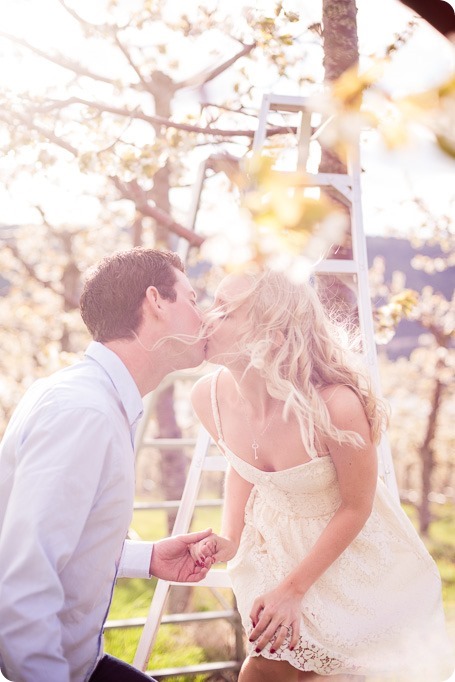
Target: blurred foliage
95	141
90	145
84	154
388	316
407	384
360	100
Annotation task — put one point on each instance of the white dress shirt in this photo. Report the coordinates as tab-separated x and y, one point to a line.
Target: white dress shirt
66	501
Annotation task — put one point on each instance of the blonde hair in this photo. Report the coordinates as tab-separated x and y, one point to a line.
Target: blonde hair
298	348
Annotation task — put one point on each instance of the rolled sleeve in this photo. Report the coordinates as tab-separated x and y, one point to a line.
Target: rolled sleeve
135	560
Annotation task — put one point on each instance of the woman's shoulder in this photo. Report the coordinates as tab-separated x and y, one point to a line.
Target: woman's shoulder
204	399
201	389
205	391
343	404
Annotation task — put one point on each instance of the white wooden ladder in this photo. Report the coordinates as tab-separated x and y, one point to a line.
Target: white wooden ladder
347	186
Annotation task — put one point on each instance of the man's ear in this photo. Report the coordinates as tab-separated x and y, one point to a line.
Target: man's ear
153	302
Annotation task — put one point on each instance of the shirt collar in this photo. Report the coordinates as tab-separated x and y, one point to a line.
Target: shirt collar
121	378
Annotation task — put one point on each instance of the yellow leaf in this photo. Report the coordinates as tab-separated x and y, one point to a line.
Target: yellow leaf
446	144
393	132
349	87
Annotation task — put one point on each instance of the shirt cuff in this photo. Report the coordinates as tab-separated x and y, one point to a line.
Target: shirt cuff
135	559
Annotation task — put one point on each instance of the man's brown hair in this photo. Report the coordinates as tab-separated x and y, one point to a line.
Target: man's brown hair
111	301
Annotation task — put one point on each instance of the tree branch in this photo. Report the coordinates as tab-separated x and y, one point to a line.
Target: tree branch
209	74
45	132
103	29
133	191
87	25
161	120
130	61
59	60
33	274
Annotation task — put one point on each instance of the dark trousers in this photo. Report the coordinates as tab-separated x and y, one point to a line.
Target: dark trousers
112	670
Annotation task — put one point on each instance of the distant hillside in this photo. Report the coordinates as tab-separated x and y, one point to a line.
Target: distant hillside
397	254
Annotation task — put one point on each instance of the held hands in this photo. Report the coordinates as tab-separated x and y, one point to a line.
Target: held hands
276	619
214	548
172	558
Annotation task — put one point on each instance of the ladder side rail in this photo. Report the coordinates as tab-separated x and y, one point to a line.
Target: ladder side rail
303	140
182	523
152	624
366	318
192	484
261	130
183	246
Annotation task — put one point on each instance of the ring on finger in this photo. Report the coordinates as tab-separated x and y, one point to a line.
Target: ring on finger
288	628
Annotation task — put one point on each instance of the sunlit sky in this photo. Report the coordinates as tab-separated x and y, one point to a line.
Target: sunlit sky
389	177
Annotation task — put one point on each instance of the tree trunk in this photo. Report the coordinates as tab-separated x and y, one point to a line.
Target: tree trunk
173	463
71	282
136	230
427	458
340	53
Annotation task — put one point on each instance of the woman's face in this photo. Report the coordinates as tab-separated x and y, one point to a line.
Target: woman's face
224	332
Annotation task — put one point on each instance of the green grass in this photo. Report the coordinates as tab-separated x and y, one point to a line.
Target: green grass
191	644
175	645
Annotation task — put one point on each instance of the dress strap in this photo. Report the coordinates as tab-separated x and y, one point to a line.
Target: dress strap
215	409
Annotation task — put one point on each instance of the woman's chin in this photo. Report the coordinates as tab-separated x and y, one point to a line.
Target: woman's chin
212	357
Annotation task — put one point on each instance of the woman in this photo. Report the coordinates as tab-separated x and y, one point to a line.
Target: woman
330	577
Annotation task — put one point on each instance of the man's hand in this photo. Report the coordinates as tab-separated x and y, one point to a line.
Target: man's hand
171	558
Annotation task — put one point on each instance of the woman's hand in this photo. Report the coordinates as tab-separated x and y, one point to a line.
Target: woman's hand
213	548
276	618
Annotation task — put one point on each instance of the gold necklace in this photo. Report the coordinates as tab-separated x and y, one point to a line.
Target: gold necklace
255	444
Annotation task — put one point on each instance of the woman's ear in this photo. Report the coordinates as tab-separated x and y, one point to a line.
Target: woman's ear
278	338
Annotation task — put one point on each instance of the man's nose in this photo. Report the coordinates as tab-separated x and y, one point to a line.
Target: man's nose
207	324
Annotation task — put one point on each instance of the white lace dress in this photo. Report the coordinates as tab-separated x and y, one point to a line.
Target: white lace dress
376	611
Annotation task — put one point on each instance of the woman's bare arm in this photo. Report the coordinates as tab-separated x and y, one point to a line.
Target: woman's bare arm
357	477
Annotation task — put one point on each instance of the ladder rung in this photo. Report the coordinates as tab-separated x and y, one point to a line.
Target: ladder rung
217	577
194	669
286	102
173	618
176	618
168	442
125	623
334	265
174	504
214	463
340	181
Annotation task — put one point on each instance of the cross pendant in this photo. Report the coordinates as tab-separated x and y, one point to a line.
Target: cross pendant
255	446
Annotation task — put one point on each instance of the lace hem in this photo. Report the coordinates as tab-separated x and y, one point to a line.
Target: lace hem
309	658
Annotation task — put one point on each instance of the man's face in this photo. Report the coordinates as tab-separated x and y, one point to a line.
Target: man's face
184	322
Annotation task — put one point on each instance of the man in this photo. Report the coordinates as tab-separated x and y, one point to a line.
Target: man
67	474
